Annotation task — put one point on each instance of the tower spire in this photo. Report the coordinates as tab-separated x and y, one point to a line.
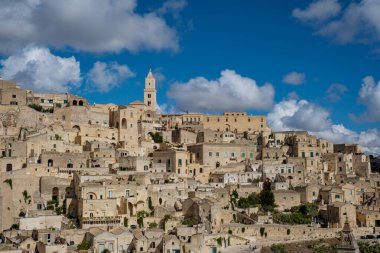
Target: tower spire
150	91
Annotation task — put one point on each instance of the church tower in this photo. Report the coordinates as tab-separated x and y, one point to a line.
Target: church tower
150	92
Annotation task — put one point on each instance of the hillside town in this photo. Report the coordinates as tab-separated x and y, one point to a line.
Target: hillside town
106	178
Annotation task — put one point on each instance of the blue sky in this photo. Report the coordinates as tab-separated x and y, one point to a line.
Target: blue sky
329	45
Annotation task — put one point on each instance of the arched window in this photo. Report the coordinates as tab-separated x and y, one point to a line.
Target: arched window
50	163
80	103
123	123
75	103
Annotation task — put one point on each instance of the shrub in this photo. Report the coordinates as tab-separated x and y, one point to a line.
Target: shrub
153	225
278	248
84	246
15	226
22	214
187	221
8	182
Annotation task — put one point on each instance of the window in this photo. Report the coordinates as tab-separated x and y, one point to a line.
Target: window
179	171
179	162
149	96
9	167
110	247
109	194
303	154
101	247
251	155
210	154
311	154
243	155
13	96
217	154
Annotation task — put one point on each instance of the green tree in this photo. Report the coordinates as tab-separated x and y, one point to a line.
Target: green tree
267	200
234	196
140	218
157	138
243	203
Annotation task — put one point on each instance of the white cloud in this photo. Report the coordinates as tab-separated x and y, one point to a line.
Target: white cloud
358	22
38	69
335	91
86	25
298	115
294	78
105	76
318	10
172	6
230	92
369	95
303	115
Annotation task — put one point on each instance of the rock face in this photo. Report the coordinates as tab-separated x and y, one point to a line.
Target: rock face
347	242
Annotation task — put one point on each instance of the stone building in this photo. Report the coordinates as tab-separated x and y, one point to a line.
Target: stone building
11	94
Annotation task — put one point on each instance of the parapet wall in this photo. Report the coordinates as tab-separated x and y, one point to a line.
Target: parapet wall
288	232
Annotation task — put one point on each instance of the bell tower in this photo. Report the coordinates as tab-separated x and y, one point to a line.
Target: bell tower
150	91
